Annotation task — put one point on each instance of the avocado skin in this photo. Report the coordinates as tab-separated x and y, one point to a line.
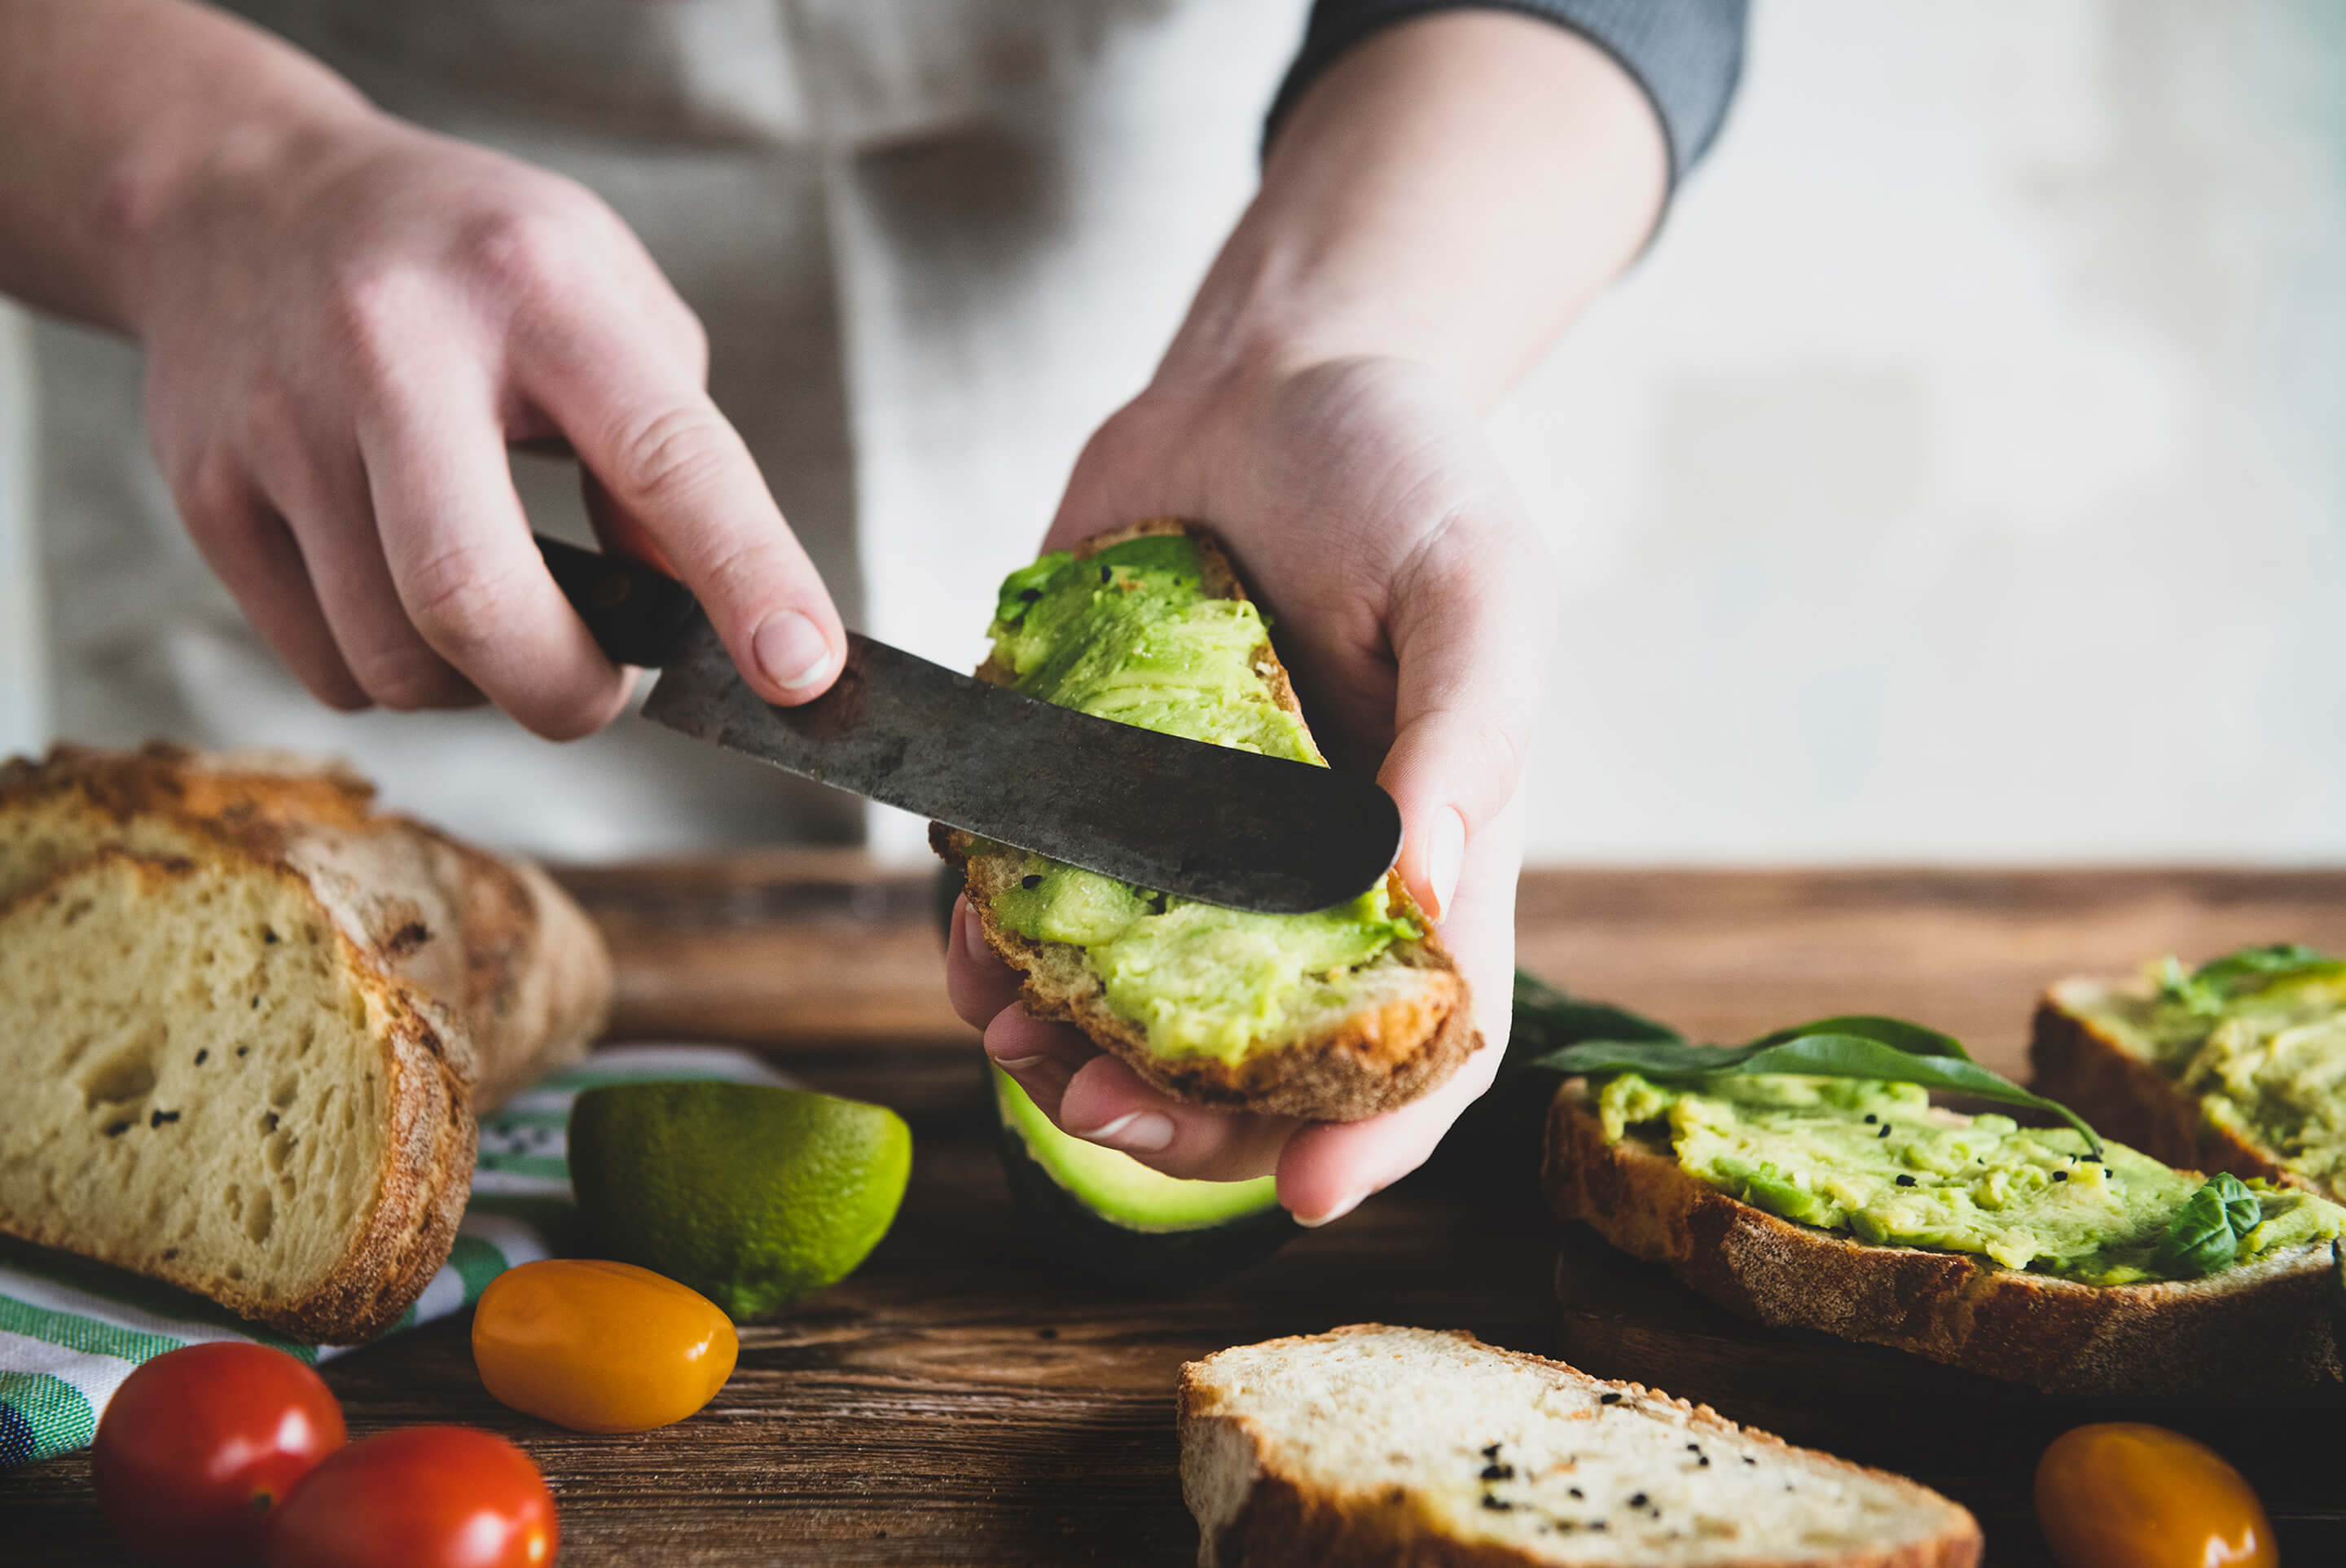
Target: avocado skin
1087	1244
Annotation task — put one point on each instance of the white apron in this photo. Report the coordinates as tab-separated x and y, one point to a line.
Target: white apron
934	242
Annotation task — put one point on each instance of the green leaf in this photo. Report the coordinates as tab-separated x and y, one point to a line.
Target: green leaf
2207	1232
2207	989
1887	1051
1548	1018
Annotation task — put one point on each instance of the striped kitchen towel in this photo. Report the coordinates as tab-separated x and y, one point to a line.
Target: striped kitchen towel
70	1330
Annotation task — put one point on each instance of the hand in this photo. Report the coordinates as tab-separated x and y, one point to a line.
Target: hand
346	327
1413	605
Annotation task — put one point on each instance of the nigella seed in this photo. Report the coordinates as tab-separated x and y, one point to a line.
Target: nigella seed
1608	1398
1702	1460
2060	1176
1030	595
1694	1448
201	1055
1904	1180
1105	574
1498	1472
1576	1493
1036	881
242	1049
1870	1119
1491	1452
117	1129
1884	1132
268	937
1496	1504
1748	1459
1637	1500
160	1118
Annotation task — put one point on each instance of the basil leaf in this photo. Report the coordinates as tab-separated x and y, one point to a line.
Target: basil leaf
1835	1053
2207	989
1547	1019
1894	1033
2207	1232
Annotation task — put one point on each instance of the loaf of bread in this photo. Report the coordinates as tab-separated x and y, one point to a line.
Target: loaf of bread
1365	1042
1401	1447
248	1020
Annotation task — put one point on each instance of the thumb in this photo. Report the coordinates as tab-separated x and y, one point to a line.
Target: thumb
1471	619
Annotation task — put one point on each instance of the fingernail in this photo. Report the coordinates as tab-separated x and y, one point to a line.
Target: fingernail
1017	1064
1334	1215
1445	853
791	649
1135	1132
972	937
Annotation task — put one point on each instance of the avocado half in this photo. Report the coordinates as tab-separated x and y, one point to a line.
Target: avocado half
1110	1219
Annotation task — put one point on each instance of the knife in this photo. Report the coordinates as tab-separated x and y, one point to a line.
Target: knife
1161	812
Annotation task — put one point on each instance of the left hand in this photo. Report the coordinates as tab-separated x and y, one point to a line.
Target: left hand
1414	609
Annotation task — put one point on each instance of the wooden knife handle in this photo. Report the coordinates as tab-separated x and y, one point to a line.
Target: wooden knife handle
636	614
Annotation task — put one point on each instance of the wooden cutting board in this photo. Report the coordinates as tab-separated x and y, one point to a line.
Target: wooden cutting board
957	1402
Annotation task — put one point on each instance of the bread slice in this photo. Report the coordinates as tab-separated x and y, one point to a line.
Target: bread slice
212	1083
2257	1331
496	941
1372	1445
1403	1024
2077	1057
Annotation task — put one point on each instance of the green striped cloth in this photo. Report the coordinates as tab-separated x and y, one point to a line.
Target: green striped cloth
70	1330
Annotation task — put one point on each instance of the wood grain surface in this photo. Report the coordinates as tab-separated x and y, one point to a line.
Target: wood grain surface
957	1402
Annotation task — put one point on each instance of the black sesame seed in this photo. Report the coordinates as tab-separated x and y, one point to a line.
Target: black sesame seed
1104	573
1748	1459
160	1118
117	1130
1694	1448
1904	1180
1578	1492
1496	1504
1702	1460
268	937
1036	881
1498	1472
1608	1398
1637	1500
1884	1132
201	1055
1870	1119
1030	595
2060	1176
242	1049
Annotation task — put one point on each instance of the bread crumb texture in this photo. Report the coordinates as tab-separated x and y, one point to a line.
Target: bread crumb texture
1404	1445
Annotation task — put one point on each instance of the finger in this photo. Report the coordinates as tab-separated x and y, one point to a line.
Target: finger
1329	1168
1472	619
1107	1104
467	573
978	983
1043	1057
324	497
674	472
248	548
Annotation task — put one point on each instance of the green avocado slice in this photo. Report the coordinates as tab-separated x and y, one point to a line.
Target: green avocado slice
1107	1218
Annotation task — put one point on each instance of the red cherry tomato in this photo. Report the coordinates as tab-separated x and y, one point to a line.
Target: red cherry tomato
200	1445
420	1497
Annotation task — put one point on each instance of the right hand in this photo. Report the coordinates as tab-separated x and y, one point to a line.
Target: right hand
344	332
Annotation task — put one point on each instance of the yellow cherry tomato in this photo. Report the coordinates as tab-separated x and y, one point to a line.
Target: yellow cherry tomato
2121	1494
600	1347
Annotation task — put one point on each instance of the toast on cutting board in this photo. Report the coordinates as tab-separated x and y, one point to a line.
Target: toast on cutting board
1377	1445
1370	1031
2261	1327
2232	1067
240	1008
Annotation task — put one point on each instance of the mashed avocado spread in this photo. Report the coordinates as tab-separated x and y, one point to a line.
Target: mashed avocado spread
1879	1161
2259	1038
1130	634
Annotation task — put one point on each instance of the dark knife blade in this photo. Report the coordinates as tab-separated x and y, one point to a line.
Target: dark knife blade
1206	822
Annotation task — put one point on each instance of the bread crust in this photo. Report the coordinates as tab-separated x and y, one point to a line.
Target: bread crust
518	962
1286	1522
1376	1060
2263	1330
430	1136
2074	1060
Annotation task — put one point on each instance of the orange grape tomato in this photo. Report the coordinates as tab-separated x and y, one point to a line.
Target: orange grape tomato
600	1347
2121	1494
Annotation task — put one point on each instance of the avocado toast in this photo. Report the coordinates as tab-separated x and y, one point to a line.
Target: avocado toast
2236	1066
1337	1015
1861	1209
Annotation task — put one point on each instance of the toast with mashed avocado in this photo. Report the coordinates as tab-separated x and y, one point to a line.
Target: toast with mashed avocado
1333	1016
2235	1067
1860	1208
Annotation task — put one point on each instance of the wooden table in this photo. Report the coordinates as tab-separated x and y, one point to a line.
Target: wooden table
955	1402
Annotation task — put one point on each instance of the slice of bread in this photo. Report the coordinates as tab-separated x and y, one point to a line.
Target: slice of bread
2262	1329
1398	1027
212	1083
1372	1445
2077	1056
505	950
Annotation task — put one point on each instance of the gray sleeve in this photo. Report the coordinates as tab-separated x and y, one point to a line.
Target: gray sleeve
1687	55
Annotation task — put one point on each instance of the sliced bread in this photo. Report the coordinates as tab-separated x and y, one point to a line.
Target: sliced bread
1378	1036
1375	1445
2084	1053
2262	1328
516	963
213	1085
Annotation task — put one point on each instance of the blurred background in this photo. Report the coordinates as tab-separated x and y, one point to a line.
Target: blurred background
1959	478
